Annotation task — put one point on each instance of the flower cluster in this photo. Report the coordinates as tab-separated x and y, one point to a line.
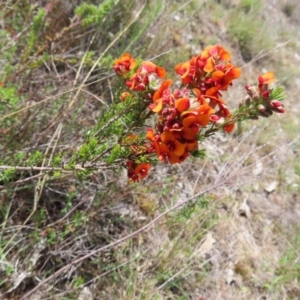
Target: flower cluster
181	116
192	112
211	72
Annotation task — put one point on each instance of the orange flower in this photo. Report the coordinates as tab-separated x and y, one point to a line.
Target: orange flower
209	65
154	141
164	86
192	146
266	78
211	56
124	64
190	133
199	115
148	67
186	70
216	52
147	75
137	172
171	147
141	171
182	104
223	79
223	115
157	97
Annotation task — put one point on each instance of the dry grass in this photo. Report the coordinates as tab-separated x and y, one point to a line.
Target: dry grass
225	227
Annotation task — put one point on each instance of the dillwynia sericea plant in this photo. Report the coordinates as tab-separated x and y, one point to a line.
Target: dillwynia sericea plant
187	115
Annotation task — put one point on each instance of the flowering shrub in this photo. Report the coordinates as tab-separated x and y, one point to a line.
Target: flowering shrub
189	114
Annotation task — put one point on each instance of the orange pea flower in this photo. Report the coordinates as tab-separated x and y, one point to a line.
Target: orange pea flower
223	79
141	171
158	96
182	104
217	52
221	116
186	70
147	75
171	147
148	67
266	78
137	172
124	64
211	56
154	141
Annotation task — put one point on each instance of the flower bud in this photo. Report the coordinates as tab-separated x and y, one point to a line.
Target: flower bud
265	94
170	118
275	103
261	108
247	88
140	87
280	109
174	112
176	126
214	118
248	100
252	91
268	112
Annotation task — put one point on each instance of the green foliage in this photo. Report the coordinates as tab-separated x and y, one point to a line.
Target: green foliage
19	158
35	158
9	101
36	29
38	20
278	93
57	160
7	175
115	153
78	281
9	97
199	153
92	14
78	220
52	236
